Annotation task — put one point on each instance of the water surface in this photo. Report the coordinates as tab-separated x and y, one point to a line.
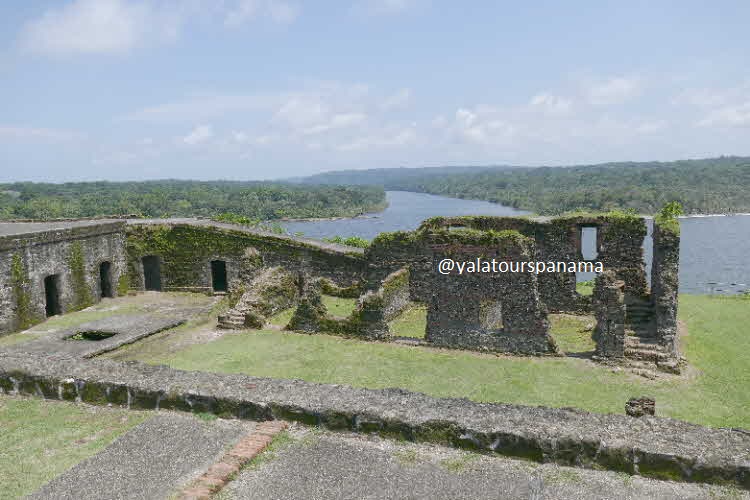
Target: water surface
714	251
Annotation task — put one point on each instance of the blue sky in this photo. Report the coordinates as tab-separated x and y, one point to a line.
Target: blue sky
260	89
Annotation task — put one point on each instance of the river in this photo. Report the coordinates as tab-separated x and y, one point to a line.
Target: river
714	251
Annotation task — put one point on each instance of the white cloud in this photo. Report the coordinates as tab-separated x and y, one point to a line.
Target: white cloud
483	125
245	11
614	90
396	100
202	107
550	103
198	135
651	127
728	116
97	27
339	121
119	26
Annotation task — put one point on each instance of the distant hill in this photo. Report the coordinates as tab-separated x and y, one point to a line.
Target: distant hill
712	185
390	176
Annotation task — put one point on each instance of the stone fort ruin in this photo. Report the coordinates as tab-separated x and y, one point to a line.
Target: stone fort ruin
54	268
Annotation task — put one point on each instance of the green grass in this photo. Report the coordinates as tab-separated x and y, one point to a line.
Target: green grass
573	333
337	306
585	287
42	439
713	393
411	323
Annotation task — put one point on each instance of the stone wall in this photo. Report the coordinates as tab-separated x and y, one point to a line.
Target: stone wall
619	247
187	249
491	311
665	282
656	447
609	310
73	254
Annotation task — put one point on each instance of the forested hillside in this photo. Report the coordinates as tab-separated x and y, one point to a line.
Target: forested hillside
716	185
171	198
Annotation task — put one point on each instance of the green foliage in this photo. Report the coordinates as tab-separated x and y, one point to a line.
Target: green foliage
666	219
237	202
19	280
123	285
351	241
81	291
714	185
232	218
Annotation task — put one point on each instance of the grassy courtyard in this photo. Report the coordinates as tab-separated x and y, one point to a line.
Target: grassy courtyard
713	392
41	439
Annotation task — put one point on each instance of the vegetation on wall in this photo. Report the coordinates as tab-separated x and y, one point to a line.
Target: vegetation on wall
81	290
714	185
173	198
667	220
350	241
19	281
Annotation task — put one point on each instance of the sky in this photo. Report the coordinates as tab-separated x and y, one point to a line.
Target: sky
266	89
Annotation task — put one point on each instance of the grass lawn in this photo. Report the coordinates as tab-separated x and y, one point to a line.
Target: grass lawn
41	439
714	392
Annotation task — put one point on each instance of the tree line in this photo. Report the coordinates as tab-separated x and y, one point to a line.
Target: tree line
175	198
714	185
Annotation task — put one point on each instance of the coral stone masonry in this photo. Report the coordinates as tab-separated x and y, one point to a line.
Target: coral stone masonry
53	268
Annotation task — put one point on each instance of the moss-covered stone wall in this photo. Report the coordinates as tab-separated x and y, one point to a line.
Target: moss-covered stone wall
186	252
73	254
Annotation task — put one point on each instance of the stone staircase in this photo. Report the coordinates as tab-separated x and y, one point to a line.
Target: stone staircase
234	319
640	317
646	357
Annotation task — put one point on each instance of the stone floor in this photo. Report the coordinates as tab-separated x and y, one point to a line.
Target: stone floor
324	465
124	329
152	461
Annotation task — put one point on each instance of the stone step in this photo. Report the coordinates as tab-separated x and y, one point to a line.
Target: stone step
646	354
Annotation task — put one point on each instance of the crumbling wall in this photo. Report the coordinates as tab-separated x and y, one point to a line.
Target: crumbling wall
186	251
74	254
271	291
665	282
369	320
609	310
619	247
464	309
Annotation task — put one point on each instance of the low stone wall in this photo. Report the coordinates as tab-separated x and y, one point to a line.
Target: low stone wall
650	446
368	321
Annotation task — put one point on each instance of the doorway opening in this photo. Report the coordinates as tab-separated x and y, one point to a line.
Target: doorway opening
52	295
105	279
219	275
152	273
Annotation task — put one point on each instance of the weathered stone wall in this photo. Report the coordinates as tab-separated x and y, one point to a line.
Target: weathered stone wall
619	248
74	254
271	291
609	309
492	311
368	321
664	284
650	446
187	249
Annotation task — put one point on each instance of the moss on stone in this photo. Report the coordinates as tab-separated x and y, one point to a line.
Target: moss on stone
123	285
81	291
19	281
